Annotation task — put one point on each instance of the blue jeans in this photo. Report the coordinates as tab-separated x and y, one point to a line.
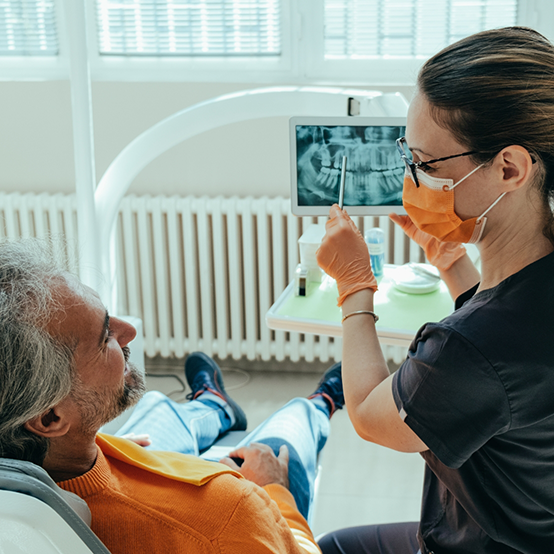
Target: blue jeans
194	426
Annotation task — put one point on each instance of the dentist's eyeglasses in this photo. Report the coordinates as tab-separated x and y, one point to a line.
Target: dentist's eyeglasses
408	159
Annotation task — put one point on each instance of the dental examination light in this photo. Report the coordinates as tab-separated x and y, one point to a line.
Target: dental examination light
223	110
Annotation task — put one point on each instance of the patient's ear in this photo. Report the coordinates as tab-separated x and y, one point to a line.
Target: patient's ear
50	424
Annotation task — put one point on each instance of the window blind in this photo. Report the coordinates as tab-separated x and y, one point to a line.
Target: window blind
189	27
28	28
358	29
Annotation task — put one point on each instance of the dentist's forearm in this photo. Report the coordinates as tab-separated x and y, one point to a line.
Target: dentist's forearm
363	364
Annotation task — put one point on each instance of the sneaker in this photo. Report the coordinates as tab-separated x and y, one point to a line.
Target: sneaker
330	388
203	374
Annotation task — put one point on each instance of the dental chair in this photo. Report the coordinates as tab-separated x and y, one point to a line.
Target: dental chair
37	516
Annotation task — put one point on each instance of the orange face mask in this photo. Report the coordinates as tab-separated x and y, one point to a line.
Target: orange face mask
431	208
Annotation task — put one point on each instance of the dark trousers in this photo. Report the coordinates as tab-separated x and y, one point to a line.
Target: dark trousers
391	538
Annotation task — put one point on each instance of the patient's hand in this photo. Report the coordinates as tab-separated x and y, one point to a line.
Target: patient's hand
260	465
141	440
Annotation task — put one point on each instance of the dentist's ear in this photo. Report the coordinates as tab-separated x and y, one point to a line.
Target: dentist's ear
50	424
516	167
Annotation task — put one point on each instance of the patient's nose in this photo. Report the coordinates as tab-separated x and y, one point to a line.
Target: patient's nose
123	331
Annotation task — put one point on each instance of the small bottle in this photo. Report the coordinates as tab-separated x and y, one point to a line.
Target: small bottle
375	240
301	281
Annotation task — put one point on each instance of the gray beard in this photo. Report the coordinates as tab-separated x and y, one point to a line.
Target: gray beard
99	408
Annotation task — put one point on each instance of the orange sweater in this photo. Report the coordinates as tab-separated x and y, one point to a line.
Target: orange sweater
148	502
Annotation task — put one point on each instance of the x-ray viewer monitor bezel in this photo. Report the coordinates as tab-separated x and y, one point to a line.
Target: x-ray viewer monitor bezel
357	129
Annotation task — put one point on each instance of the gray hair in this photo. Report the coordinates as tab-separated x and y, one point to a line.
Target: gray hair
36	370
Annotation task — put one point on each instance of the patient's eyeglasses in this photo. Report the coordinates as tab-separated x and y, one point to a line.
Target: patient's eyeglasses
408	159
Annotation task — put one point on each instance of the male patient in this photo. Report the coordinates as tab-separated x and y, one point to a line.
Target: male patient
64	373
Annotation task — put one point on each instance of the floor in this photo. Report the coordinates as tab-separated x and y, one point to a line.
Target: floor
360	483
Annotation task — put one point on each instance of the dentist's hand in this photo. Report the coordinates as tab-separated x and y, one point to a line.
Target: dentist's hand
440	254
344	256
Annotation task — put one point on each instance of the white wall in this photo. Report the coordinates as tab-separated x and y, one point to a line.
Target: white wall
36	143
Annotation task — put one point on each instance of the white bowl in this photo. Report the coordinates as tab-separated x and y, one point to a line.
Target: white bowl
416	278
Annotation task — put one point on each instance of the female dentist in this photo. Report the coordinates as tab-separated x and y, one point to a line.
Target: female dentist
475	395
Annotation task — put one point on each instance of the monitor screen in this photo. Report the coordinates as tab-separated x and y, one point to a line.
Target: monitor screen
374	169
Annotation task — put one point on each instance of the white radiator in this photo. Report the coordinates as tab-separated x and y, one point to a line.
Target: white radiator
202	272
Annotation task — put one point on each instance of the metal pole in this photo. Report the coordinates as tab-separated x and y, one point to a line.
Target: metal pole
83	143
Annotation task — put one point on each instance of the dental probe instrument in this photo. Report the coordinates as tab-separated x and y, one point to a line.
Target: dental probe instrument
342	182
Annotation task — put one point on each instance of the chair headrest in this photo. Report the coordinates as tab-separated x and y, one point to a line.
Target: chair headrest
25	477
30	479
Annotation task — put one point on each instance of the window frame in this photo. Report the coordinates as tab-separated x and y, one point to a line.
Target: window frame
301	61
191	69
386	71
39	68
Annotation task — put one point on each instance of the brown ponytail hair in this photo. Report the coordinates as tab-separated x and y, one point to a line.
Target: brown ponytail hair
495	89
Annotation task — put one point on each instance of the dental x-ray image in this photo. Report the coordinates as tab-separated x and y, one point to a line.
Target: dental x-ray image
374	170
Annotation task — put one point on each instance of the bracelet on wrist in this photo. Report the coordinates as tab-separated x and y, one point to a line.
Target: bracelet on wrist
361	312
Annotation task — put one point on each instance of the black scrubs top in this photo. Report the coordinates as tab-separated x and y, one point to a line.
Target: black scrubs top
478	389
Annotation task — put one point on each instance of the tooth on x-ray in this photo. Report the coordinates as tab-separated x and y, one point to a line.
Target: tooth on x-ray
375	171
